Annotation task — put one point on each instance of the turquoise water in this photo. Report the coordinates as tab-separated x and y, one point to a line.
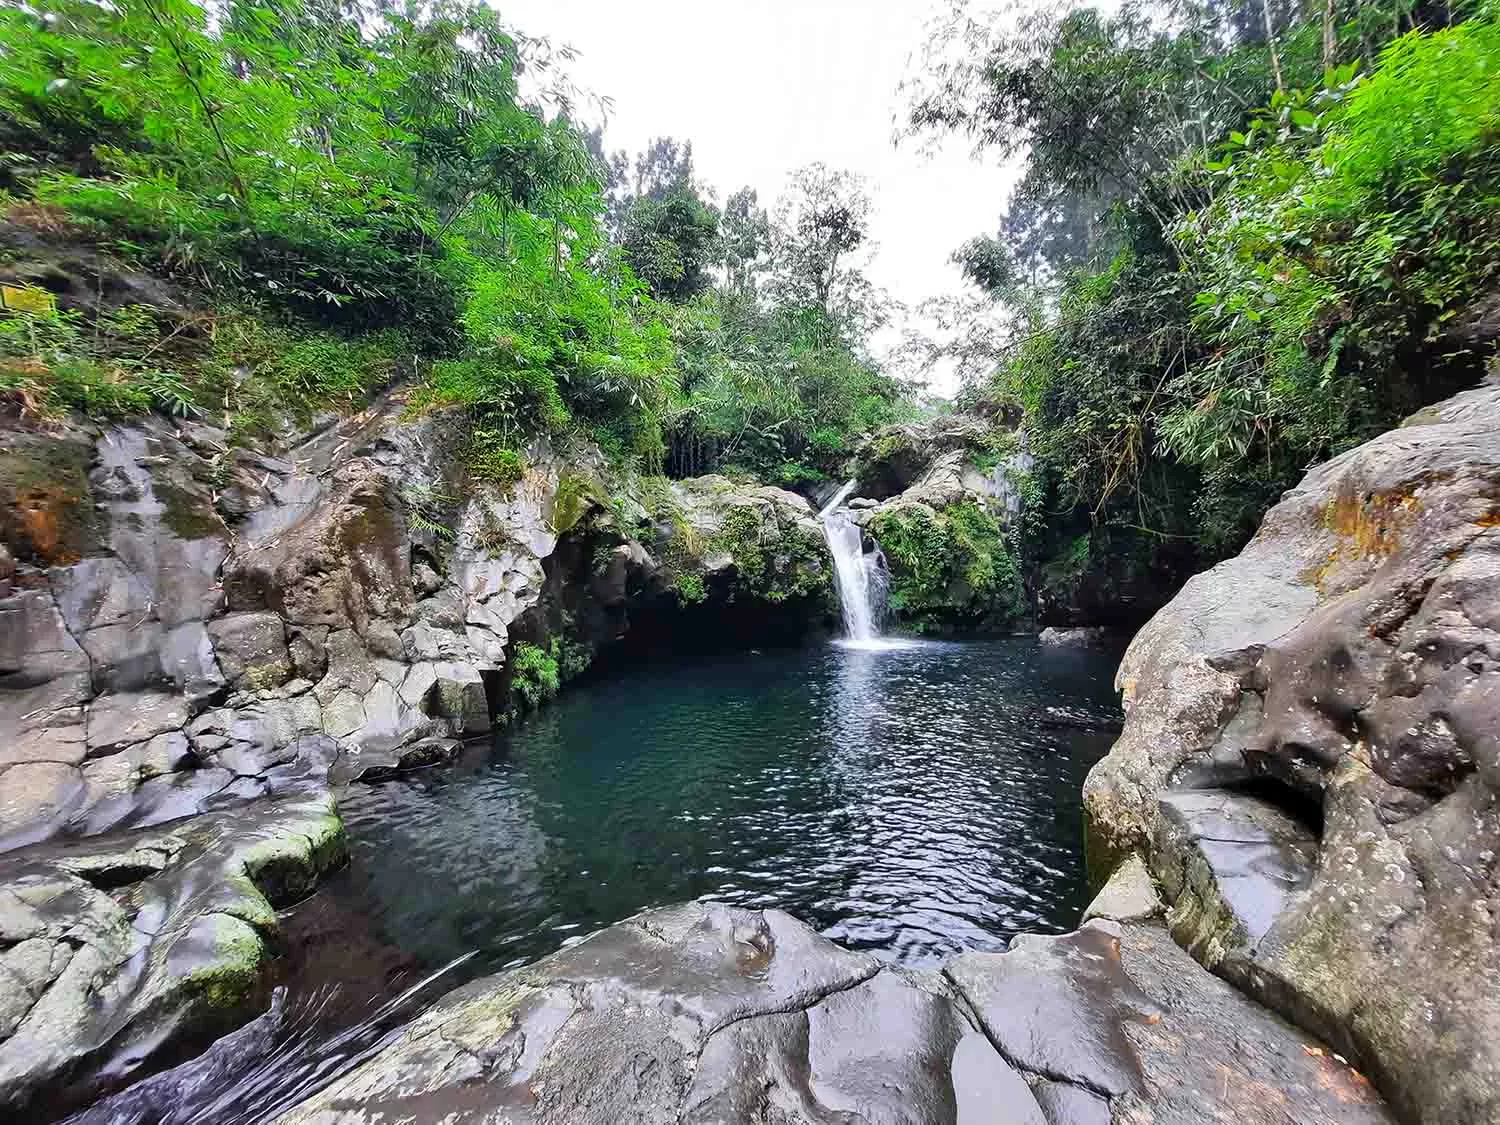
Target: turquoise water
911	802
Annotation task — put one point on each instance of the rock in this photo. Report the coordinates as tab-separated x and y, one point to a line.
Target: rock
698	1013
34	798
342	561
1346	662
1129	896
187	661
1122	1013
252	649
460	698
891	460
1086	637
7	571
307	646
1229	864
710	1014
127	717
35	645
149	939
362	764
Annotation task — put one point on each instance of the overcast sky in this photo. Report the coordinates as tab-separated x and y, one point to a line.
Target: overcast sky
762	88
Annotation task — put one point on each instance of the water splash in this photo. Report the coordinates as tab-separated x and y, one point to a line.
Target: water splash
860	578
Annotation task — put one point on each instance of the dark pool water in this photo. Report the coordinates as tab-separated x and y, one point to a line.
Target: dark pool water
912	803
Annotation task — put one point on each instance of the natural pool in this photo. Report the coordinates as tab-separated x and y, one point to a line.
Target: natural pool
912	802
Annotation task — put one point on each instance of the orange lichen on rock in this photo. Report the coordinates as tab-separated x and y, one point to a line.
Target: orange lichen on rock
1367	527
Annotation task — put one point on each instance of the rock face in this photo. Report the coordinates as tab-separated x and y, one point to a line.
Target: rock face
1311	760
704	1013
936	497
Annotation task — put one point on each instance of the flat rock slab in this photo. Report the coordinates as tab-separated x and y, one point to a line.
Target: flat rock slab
698	1013
1230	863
1121	1025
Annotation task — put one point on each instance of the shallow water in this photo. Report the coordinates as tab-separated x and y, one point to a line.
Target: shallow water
909	801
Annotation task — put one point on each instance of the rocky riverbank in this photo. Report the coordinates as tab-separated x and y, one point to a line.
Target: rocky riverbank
200	642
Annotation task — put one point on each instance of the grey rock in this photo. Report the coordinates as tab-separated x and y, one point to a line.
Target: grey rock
1123	1014
125	657
127	717
35	645
1230	864
1129	896
252	649
361	764
1084	637
35	797
697	1013
381	639
460	698
187	661
141	942
1346	660
308	648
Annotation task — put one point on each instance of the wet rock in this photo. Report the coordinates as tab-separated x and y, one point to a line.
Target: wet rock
361	764
1123	1016
1346	661
251	649
165	933
127	717
1230	864
696	1013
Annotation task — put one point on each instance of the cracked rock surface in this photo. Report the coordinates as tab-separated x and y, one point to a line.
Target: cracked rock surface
1310	764
712	1014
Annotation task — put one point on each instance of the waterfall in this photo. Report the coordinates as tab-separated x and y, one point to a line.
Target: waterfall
860	579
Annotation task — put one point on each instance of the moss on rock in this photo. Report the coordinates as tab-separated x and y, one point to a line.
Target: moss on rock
949	569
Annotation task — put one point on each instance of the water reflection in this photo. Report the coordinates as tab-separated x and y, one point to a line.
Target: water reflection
906	801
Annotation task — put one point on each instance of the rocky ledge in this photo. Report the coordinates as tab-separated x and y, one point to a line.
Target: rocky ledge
1311	761
711	1014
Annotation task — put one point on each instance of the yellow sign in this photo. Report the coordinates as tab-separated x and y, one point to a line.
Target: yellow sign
27	299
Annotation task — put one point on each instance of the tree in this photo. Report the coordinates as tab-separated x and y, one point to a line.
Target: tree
821	222
745	233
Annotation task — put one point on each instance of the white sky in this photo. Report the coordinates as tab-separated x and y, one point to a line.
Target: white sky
765	87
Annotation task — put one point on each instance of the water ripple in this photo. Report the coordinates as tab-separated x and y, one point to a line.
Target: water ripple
905	801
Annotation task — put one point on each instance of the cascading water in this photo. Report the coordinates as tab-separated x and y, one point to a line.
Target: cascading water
860	578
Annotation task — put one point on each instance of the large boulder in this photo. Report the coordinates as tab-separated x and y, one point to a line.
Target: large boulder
1334	694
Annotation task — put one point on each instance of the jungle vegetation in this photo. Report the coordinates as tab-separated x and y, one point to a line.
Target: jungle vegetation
1249	234
359	192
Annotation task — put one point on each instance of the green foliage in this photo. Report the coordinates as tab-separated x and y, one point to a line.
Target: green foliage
1204	297
950	568
690	588
1347	226
534	673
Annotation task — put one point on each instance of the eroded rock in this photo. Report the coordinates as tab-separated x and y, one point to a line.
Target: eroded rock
1345	661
